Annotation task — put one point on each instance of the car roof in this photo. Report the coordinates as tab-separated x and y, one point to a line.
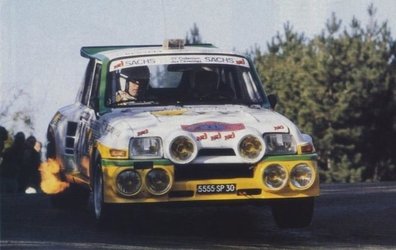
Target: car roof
122	51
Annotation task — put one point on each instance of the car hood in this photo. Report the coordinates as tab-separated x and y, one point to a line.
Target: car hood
197	121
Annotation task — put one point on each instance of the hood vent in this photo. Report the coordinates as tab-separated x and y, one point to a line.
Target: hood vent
216	152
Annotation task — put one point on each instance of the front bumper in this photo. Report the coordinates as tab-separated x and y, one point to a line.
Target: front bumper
248	187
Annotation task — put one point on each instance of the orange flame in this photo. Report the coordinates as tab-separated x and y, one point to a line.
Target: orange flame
50	181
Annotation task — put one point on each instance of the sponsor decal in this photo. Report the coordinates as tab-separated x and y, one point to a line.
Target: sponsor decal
185	59
139	61
224	59
172	112
215	137
278	127
229	136
143	132
56	119
119	65
213	126
204	136
241	61
177	59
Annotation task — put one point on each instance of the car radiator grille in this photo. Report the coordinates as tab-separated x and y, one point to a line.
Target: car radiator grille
212	171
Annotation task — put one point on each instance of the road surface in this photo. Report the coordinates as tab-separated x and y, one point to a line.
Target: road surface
346	216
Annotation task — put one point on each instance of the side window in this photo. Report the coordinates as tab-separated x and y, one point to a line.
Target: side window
87	82
93	100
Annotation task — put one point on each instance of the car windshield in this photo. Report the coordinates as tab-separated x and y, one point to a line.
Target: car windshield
181	80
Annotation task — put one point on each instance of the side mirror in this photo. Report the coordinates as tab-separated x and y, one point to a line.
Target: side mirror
273	100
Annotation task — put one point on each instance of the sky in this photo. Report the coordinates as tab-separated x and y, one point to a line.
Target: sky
40	40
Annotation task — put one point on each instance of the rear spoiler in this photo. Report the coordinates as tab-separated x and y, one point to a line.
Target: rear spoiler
90	51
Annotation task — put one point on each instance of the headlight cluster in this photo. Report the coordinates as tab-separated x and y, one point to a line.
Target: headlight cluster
145	147
156	181
183	149
301	176
277	144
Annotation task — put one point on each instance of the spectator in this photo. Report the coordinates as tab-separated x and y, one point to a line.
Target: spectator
11	165
36	178
29	176
3	138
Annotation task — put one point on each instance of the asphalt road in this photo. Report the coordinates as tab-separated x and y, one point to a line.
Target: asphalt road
346	216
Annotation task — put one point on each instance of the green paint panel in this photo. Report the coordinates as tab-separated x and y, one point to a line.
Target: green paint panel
308	157
127	163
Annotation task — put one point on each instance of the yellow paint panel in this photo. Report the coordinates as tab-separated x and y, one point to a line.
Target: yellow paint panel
172	112
105	152
112	196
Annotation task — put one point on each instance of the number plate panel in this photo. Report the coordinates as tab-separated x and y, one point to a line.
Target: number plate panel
216	188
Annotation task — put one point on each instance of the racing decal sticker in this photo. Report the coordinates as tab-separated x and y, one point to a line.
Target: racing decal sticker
56	119
171	112
202	137
178	59
229	136
211	126
215	137
119	65
143	132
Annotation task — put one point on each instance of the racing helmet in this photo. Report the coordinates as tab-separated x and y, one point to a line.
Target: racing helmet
138	75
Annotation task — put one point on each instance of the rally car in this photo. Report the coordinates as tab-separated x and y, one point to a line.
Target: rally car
178	123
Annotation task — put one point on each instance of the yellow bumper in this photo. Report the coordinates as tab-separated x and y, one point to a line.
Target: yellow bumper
247	188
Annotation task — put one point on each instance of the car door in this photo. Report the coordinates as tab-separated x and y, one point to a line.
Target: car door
87	119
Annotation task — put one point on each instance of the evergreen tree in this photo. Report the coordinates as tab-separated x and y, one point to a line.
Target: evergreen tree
340	88
194	37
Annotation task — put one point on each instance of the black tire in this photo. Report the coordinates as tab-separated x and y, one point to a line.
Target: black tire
293	213
101	210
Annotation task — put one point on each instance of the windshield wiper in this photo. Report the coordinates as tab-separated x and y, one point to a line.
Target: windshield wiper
254	106
129	103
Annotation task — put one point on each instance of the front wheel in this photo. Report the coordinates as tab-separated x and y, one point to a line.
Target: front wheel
101	209
293	213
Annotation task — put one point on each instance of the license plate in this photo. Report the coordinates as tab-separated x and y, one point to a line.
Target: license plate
216	188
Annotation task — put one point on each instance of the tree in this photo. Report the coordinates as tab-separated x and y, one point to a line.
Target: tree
339	87
194	37
14	115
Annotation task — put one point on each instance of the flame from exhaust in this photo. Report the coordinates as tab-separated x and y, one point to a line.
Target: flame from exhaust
50	180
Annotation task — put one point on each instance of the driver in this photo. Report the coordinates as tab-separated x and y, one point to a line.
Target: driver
135	84
130	93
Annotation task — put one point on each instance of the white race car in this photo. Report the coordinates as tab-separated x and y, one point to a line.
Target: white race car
181	123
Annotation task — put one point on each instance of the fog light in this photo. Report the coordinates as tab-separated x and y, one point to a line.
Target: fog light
158	181
302	176
129	182
275	177
183	150
251	148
